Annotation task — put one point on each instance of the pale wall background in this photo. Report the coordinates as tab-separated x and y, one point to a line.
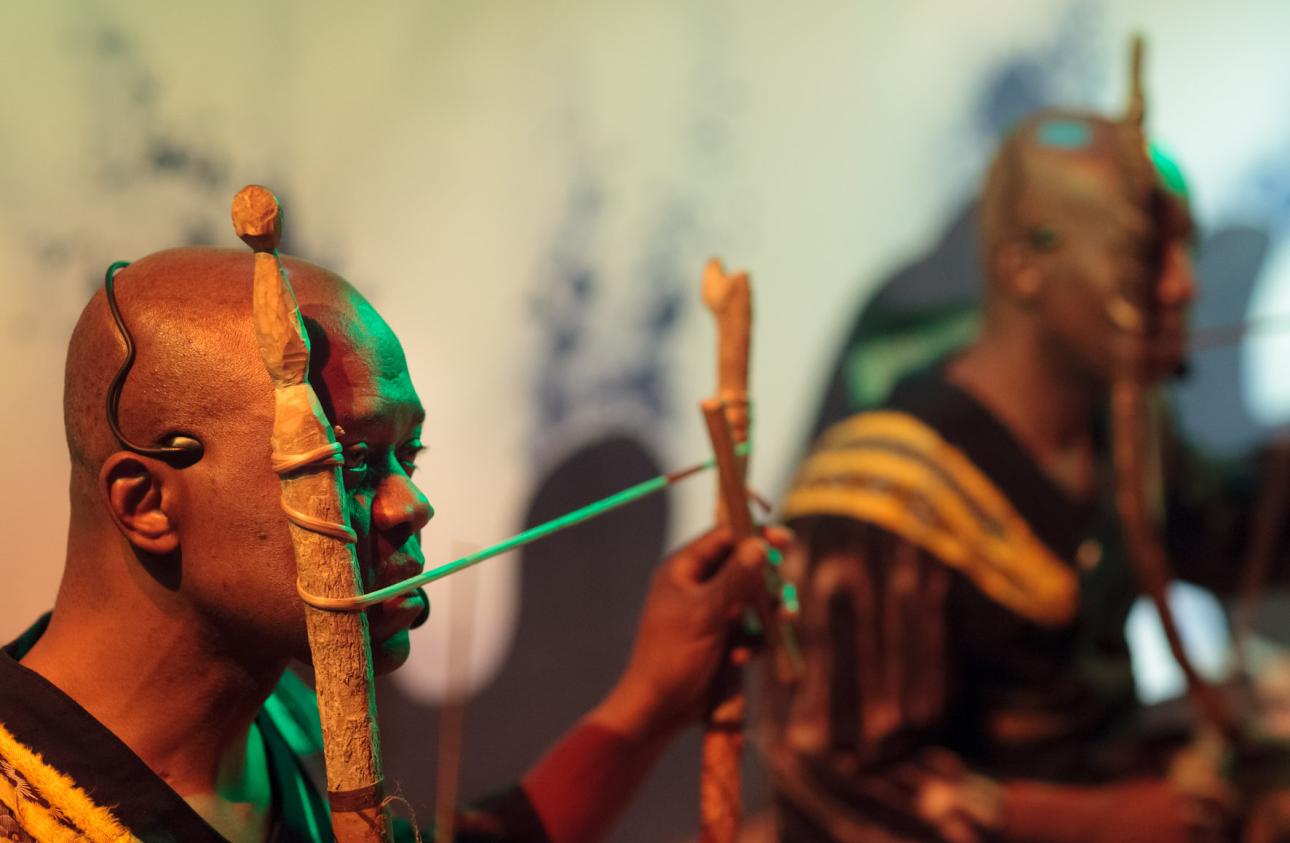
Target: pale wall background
498	176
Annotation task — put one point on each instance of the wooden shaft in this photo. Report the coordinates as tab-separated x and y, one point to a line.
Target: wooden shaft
1135	112
721	754
1266	531
730	469
728	419
729	298
1133	437
1130	440
326	564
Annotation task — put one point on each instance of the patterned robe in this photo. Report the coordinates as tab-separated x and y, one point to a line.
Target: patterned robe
960	612
65	777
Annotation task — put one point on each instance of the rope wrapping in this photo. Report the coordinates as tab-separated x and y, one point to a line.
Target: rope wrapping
329	454
320	457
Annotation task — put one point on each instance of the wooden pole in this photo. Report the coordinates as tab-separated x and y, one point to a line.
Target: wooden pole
308	459
1134	436
727	417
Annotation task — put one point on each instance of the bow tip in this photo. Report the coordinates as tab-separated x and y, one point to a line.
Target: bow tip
257	218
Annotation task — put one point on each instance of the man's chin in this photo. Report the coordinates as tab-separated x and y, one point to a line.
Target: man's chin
390	654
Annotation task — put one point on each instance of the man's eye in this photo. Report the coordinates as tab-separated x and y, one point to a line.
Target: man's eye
408	455
356	458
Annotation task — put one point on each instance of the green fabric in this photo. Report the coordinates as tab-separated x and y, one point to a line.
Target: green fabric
902	342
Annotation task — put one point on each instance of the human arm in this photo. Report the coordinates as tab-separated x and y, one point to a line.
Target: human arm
1120	812
586	779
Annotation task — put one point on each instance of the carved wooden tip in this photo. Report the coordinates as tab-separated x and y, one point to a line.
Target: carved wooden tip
717	285
257	218
1137	107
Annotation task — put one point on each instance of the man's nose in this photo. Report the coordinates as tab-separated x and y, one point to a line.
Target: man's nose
400	506
1177	287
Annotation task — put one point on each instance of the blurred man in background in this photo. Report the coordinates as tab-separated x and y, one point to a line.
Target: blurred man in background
962	582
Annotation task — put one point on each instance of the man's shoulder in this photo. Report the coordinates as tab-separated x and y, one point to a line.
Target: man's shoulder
895	469
929	396
39	802
65	776
894	457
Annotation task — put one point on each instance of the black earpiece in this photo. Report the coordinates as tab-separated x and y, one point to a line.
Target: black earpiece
179	450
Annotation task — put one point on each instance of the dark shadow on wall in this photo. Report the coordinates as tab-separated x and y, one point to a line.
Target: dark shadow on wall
1209	400
944	281
581	593
579	587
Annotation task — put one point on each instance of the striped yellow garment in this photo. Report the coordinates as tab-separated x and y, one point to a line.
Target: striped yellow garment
889	469
45	805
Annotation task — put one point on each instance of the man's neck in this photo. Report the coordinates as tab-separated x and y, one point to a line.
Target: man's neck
186	711
241	805
1050	411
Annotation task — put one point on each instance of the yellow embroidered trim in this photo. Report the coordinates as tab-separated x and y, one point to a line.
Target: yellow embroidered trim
47	804
890	469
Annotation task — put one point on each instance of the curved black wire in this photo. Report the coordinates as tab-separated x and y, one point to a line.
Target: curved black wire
182	451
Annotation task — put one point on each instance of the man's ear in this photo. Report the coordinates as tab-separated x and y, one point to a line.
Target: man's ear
141	496
1019	271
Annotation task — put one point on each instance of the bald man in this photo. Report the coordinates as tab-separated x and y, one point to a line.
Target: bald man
152	703
962	584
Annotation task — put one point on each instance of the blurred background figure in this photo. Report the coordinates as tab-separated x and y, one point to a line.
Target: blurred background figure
964	579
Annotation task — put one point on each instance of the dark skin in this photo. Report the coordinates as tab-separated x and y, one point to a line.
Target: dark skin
1044	359
201	563
1043	365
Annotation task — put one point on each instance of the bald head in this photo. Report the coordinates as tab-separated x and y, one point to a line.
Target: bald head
207	542
1078	229
1057	174
203	549
197	364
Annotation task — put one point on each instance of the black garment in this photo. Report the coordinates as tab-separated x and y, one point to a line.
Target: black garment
953	598
60	766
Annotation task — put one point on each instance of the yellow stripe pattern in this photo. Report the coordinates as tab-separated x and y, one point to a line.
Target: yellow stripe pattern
48	805
892	470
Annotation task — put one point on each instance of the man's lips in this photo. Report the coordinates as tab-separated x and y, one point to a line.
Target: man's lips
400	613
394	616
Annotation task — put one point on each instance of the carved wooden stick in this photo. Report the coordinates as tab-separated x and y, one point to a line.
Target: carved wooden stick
307	457
729	298
1267	525
1133	435
727	417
